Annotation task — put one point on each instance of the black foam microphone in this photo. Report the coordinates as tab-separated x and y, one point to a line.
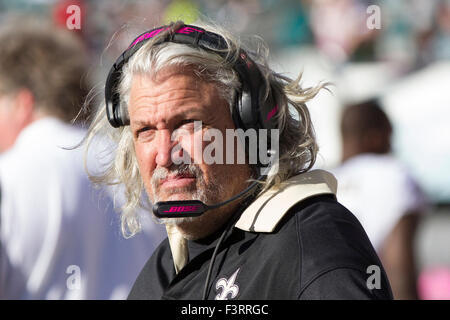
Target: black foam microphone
194	208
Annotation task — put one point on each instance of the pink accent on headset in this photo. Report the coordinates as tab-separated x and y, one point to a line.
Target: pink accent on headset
151	34
272	113
146	35
188	30
183	208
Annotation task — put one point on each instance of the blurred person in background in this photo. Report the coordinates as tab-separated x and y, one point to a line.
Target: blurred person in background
57	234
340	29
440	40
379	190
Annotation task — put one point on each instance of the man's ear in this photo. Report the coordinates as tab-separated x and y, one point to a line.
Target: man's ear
24	108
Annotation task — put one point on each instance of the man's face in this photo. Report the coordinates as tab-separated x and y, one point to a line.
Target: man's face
162	113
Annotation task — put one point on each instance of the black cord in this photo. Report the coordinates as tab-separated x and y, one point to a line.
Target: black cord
219	242
216	249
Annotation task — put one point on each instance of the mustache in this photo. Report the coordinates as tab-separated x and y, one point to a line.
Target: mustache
175	170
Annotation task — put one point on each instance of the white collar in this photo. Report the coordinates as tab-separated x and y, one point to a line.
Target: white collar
264	214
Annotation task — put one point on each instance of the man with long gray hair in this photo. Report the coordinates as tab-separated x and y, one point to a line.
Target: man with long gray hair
178	102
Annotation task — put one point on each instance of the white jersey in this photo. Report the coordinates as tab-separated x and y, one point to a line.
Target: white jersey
59	236
379	191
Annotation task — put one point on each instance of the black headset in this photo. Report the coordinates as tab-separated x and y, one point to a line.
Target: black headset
253	109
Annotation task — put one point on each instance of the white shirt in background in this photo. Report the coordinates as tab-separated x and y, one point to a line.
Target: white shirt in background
59	237
379	191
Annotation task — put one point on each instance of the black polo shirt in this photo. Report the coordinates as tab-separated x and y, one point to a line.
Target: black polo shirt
318	250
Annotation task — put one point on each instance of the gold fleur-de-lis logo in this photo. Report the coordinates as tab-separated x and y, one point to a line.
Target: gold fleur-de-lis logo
229	288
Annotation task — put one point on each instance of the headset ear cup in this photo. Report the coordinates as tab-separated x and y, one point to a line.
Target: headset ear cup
235	112
122	113
246	110
112	98
237	115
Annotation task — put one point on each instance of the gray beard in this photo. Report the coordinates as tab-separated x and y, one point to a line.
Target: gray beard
208	194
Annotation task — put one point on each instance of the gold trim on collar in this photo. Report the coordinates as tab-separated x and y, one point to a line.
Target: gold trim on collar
264	214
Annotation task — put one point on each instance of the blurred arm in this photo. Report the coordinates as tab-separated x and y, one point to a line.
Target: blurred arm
397	256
